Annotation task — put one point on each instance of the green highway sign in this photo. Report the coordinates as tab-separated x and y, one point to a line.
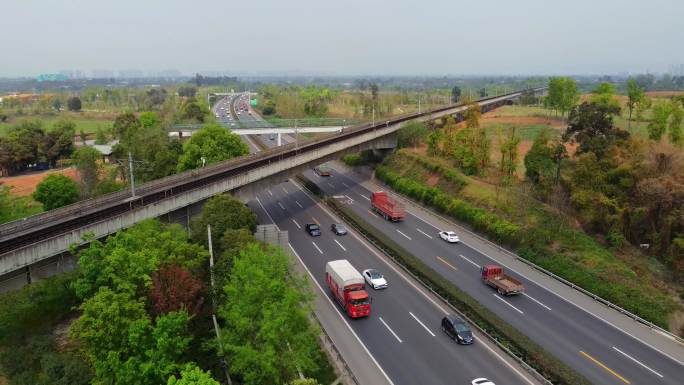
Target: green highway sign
253	102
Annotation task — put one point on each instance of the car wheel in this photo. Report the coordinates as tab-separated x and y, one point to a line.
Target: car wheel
500	291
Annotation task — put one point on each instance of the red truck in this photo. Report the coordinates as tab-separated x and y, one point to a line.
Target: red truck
494	276
348	288
388	207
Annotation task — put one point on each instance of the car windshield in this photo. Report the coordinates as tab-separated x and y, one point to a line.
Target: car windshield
315	227
375	275
461	328
340	227
357	302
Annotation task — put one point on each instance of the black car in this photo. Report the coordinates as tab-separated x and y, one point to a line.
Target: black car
313	229
338	229
457	329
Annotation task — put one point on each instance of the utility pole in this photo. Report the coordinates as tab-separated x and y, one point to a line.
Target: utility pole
419	104
213	299
130	167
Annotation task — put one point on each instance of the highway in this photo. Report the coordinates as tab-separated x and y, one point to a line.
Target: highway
598	350
403	332
225	113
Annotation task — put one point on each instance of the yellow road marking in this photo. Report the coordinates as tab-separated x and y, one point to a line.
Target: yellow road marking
316	221
447	263
609	370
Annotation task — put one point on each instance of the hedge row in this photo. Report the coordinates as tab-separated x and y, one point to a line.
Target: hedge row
497	228
534	355
353	160
446	172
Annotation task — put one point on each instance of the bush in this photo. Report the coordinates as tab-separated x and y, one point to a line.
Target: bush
547	365
353	160
55	191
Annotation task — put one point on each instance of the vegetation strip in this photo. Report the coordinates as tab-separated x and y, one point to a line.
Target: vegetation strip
540	362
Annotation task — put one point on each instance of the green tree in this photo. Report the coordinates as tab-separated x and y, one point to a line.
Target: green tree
222	212
635	94
192	375
125	127
74	104
125	262
562	94
55	191
455	94
100	136
604	94
411	134
509	154
149	119
266	333
59	142
213	143
472	115
590	125
193	111
187	91
57	104
674	126
642	105
86	160
657	127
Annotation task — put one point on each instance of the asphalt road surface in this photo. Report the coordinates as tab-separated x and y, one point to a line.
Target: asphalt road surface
597	349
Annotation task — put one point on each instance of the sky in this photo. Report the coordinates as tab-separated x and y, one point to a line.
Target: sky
343	37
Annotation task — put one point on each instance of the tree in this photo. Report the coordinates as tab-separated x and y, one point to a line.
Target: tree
634	96
193	111
604	94
59	142
267	333
642	105
86	160
149	119
539	162
222	212
74	104
674	127
411	134
509	154
187	91
125	127
455	94
175	288
472	115
57	104
213	143
562	94
657	127
125	263
100	136
55	191
590	125
192	375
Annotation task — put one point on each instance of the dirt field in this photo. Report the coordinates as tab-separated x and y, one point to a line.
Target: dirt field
23	185
664	94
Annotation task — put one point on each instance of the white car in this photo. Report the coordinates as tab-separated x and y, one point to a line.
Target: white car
375	279
449	236
481	381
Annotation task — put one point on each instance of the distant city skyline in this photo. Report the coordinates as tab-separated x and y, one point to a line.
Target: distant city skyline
351	38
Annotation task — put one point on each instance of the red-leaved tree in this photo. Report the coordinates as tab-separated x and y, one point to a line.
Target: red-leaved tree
174	288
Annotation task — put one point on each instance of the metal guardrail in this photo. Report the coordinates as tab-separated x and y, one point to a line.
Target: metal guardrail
332	349
541	269
429	287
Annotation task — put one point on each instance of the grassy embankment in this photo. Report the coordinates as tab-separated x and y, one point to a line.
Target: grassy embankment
533	230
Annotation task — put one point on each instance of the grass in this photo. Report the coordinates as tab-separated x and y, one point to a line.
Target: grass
538	233
84	122
17	207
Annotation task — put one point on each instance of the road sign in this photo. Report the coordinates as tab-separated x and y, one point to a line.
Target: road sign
253	102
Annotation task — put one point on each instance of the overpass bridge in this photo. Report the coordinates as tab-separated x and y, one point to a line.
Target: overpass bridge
35	239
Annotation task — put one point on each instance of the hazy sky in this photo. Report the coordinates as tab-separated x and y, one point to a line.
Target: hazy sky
343	37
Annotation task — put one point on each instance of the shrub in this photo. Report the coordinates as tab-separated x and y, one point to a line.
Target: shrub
353	160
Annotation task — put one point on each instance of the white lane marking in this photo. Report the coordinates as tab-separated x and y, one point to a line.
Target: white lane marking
390	330
340	245
345	185
418	289
350	199
266	211
331	185
285	191
281	205
476	265
635	360
443	219
407	237
295	222
365	197
421	231
317	248
269	191
422	324
335	307
299	204
506	302
537	301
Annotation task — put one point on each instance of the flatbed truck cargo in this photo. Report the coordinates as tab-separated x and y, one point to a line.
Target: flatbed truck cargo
348	287
388	207
494	276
